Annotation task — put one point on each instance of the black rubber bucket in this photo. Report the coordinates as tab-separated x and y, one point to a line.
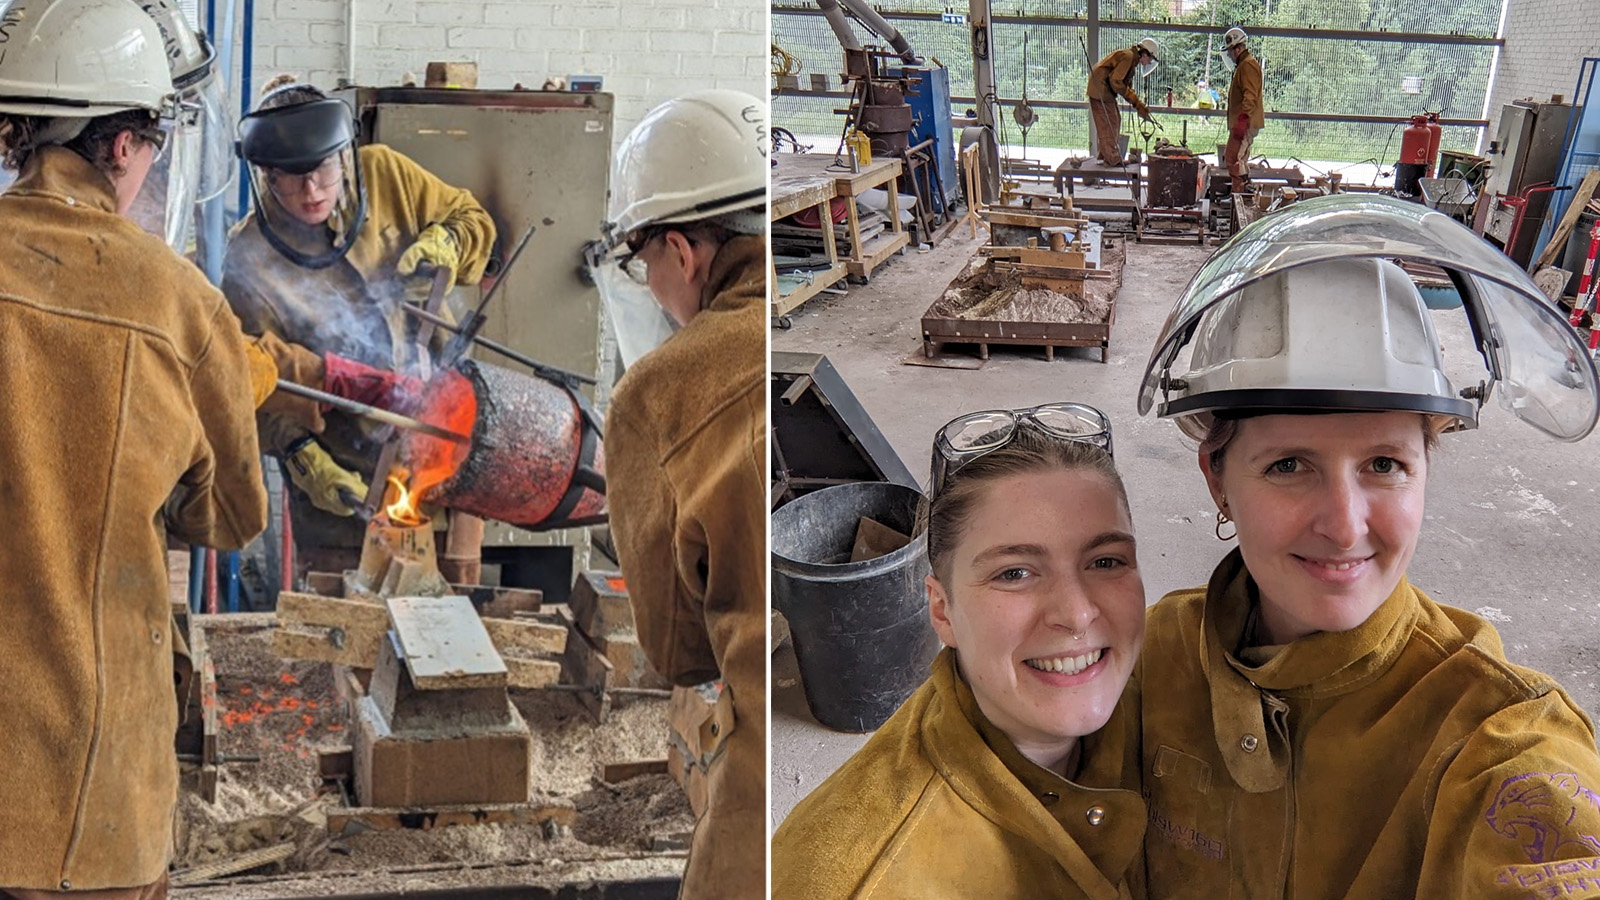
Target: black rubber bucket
861	630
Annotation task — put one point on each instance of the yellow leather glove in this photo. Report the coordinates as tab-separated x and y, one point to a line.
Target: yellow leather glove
330	487
436	246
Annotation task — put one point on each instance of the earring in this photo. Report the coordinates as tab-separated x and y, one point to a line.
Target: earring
1223	519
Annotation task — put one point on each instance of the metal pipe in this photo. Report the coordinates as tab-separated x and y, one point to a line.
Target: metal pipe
197	578
876	23
978	23
245	84
231	567
502	349
377	414
839	24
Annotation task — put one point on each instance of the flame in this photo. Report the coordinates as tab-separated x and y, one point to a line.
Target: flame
403	510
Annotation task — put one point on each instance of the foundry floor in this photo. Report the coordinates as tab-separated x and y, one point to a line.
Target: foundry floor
1512	518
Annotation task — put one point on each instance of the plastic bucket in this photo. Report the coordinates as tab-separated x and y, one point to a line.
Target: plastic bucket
861	631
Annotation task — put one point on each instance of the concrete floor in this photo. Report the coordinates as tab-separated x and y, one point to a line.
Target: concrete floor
1512	518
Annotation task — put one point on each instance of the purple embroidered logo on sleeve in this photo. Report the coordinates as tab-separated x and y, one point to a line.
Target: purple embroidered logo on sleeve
1541	810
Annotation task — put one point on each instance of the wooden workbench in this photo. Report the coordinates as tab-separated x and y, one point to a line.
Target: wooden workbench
885	173
795	188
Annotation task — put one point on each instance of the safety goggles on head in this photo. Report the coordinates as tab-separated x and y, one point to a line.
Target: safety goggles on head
978	434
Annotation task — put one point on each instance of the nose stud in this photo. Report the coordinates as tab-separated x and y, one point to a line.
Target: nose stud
1076	635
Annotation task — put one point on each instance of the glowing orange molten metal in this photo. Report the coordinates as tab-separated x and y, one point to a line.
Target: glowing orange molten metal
449	403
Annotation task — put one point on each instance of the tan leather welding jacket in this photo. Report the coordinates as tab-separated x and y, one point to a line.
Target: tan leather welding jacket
1244	91
939	803
686	451
1114	75
1403	758
126	417
351	307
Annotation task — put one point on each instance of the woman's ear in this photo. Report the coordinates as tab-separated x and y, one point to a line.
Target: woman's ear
939	611
680	253
1213	479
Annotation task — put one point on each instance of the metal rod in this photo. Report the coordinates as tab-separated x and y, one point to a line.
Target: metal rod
373	412
495	346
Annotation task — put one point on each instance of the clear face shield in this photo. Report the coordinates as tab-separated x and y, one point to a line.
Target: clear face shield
1537	361
198	161
1145	67
305	178
640	324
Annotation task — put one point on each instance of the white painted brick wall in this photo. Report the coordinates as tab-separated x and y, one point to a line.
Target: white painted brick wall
647	50
1546	41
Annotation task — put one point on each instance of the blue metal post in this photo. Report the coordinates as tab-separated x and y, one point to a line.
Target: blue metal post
233	580
197	578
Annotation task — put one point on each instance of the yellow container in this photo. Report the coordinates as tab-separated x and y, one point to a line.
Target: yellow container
863	147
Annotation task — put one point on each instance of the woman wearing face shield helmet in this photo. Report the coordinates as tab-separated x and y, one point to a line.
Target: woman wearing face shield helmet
681	265
126	419
1315	725
1113	76
340	237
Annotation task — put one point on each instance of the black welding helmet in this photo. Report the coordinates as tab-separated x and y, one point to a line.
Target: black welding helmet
305	176
1307	310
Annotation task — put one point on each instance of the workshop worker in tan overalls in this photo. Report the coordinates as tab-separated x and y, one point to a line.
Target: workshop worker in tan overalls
340	237
1245	111
1113	76
681	266
1315	725
1002	777
126	419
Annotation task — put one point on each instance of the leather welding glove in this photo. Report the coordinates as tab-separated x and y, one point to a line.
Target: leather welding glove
1144	112
1241	124
365	384
435	246
330	487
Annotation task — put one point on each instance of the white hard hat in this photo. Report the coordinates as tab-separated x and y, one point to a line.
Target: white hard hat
1302	310
1233	37
81	59
691	158
1151	47
1345	335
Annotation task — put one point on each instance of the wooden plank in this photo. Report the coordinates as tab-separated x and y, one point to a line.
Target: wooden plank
532	674
501	602
313	609
820	281
328	584
508	633
876	252
445	643
233	865
359	650
1569	220
342	822
584	665
789	197
616	773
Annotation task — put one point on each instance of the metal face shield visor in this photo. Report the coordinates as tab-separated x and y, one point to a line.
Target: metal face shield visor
305	179
977	434
1541	366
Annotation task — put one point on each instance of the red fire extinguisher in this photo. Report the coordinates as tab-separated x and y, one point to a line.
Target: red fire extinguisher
1414	142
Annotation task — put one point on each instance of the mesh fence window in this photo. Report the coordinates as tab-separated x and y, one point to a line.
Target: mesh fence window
1438	59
